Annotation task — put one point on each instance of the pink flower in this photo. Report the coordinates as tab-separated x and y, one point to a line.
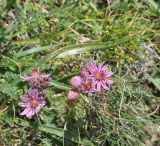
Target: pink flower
93	78
76	82
32	104
85	70
44	83
72	95
99	76
87	87
36	79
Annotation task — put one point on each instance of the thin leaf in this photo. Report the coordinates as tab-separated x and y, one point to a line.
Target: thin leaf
26	42
155	6
33	50
51	129
59	85
83	48
155	82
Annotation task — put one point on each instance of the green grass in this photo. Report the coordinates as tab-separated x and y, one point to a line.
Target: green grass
59	37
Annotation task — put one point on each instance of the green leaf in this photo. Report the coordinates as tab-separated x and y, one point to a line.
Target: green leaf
26	42
51	128
86	142
120	6
33	50
7	119
8	6
83	48
59	85
155	82
154	5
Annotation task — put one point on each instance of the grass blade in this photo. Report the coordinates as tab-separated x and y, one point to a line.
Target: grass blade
83	48
59	85
155	82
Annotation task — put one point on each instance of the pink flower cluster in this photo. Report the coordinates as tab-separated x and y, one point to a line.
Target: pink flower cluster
37	80
93	78
33	100
32	103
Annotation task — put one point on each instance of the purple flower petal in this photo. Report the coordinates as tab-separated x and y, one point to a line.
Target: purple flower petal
45	76
36	79
24	99
105	87
98	87
32	104
26	111
109	74
30	114
109	81
26	78
98	75
23	105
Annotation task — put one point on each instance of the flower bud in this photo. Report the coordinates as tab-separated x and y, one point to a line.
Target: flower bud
76	82
72	95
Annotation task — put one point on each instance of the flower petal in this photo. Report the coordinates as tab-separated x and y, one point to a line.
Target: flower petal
99	86
26	78
109	81
109	74
44	75
90	93
27	110
30	114
23	104
38	109
24	99
105	87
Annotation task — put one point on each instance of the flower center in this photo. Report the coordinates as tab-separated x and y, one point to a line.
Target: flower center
35	74
34	103
99	76
45	83
87	86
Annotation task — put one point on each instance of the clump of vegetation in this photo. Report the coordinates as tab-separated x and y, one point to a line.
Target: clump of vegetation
59	38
